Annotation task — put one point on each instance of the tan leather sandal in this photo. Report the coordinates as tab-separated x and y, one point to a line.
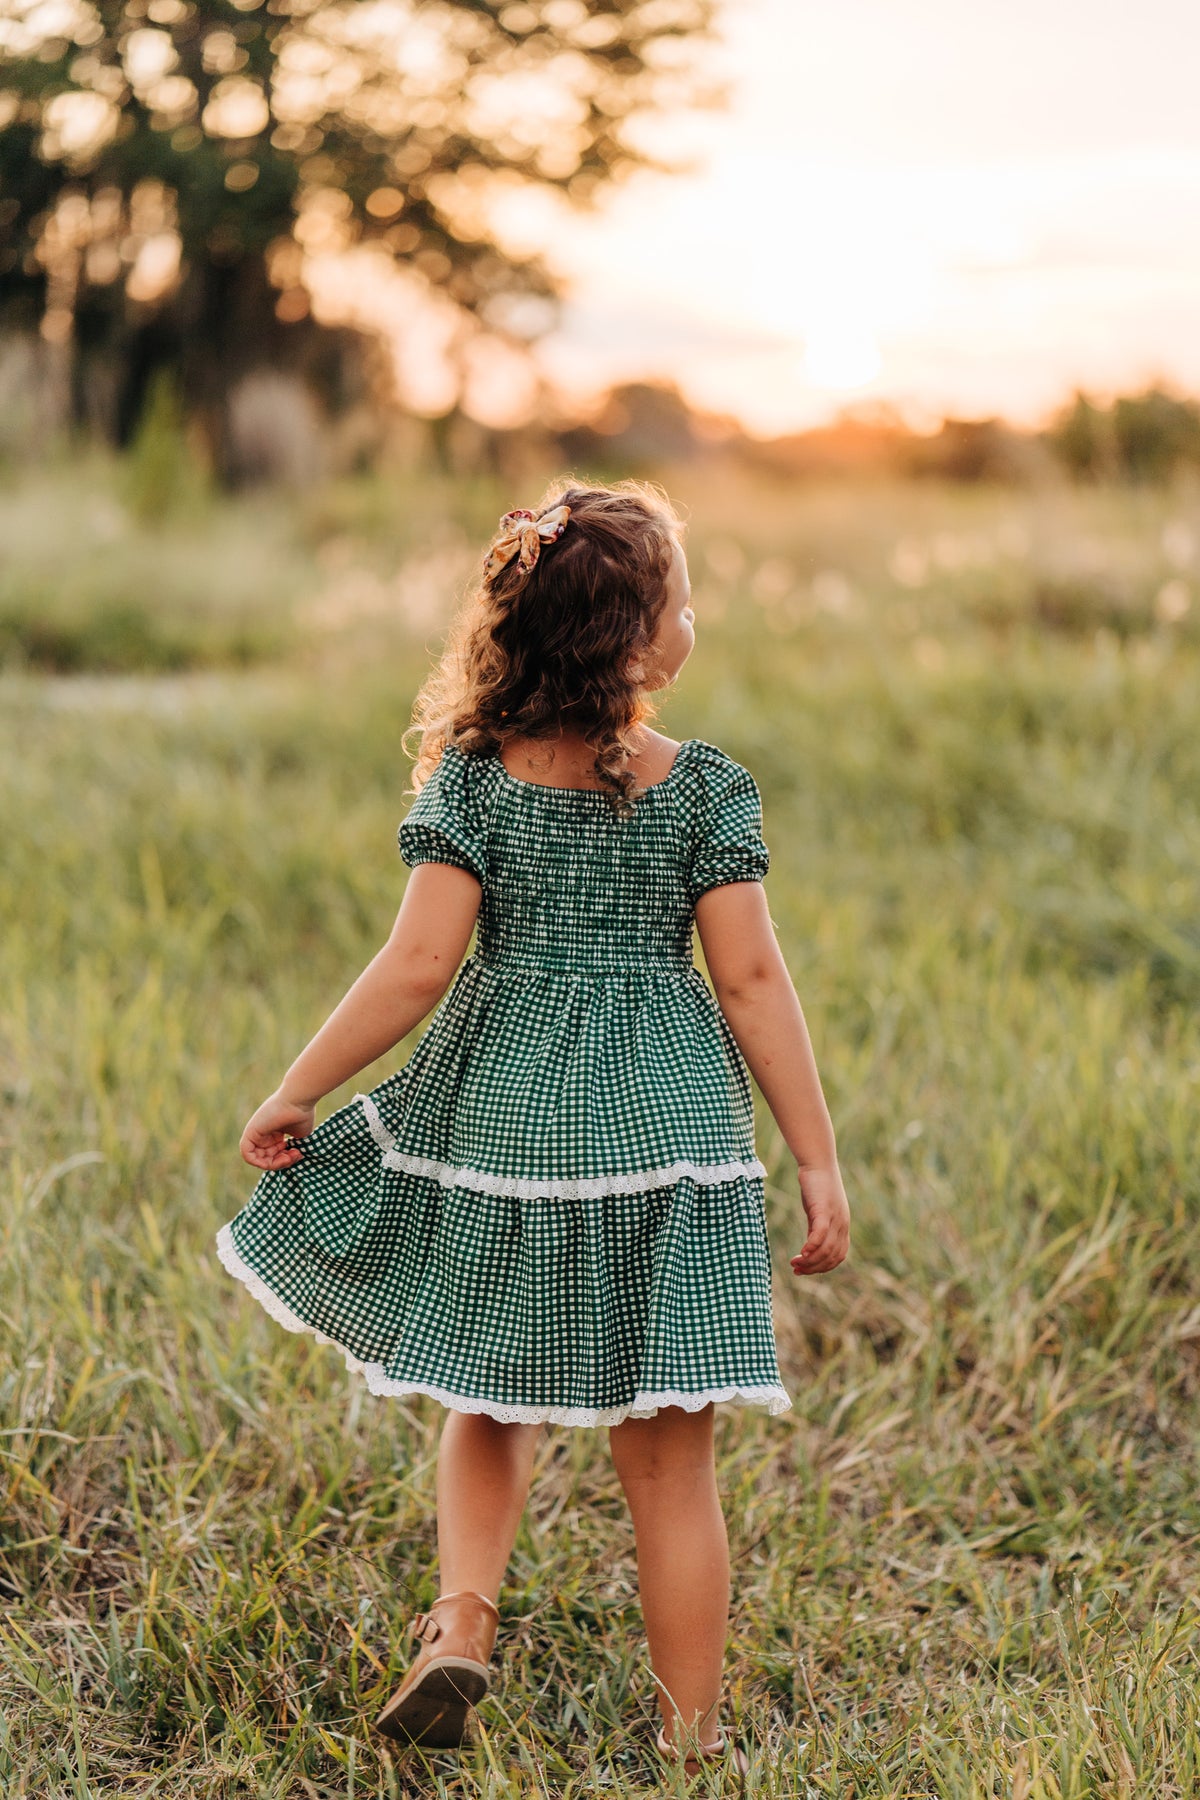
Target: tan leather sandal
450	1674
695	1761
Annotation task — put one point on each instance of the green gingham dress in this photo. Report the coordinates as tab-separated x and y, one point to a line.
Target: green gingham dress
553	1211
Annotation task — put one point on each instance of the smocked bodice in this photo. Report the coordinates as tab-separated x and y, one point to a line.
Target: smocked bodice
574	888
571	886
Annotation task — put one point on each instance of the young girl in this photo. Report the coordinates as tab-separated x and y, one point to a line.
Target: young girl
553	1213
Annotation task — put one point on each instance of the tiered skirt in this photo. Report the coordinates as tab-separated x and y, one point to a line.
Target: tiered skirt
571	1231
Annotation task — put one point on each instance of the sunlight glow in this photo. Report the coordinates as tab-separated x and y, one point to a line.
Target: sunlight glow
841	356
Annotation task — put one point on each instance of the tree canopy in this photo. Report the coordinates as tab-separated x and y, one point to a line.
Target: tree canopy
165	165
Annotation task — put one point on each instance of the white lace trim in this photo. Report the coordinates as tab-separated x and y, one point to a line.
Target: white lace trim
520	1187
642	1406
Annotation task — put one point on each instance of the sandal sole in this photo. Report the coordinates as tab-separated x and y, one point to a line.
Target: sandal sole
433	1713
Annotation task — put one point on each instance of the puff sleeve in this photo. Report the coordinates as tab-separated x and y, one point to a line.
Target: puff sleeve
728	844
445	824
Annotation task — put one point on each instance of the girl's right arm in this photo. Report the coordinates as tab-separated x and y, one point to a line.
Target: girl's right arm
756	995
402	983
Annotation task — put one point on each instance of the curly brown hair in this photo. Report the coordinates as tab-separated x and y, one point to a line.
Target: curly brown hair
564	643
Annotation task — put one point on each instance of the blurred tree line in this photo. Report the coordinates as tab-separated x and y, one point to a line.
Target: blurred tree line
1147	437
167	165
1152	437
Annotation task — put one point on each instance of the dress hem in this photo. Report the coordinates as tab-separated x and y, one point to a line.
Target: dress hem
379	1382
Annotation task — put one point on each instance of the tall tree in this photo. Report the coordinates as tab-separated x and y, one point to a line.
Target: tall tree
165	164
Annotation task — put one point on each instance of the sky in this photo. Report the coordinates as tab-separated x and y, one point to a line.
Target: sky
952	208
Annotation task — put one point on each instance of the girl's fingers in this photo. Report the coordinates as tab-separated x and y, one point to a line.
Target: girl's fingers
818	1263
269	1150
815	1239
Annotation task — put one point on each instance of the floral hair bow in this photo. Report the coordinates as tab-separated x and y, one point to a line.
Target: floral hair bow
522	536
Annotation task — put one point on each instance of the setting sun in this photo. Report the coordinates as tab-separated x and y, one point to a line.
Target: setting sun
840	357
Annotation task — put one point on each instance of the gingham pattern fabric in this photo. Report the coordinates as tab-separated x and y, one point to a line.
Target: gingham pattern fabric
554	1210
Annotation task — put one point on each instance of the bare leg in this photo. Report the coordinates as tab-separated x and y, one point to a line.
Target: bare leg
483	1477
666	1469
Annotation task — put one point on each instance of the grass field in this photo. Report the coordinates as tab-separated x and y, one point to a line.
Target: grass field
966	1564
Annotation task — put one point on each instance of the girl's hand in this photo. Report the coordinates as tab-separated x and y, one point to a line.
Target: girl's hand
828	1210
263	1143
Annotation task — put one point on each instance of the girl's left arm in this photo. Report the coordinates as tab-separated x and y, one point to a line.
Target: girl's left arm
395	991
